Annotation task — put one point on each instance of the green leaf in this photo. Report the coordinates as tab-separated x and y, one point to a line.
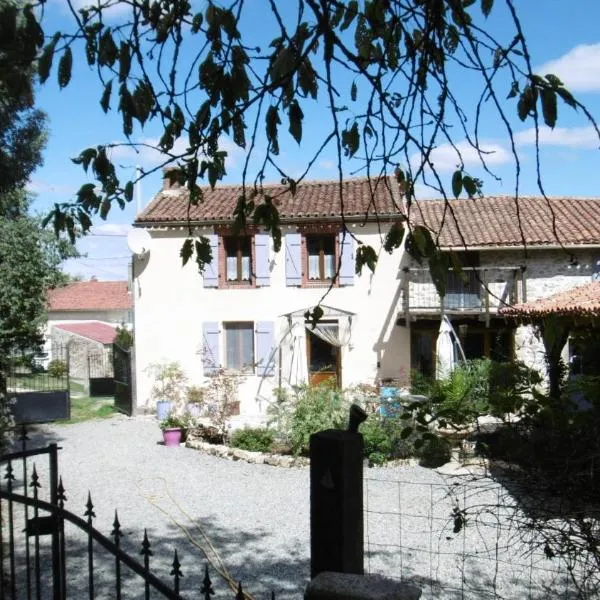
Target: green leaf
470	185
124	61
394	237
406	432
105	99
353	92
486	7
64	68
129	191
351	140
272	120
239	136
85	157
365	255
526	102
457	183
549	108
203	253
567	97
45	60
187	249
554	81
295	115
351	12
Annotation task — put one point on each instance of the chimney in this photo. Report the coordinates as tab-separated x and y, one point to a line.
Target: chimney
173	178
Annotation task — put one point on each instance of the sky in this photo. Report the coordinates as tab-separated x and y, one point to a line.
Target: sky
563	38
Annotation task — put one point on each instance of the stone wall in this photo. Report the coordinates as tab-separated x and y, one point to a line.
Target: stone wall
81	352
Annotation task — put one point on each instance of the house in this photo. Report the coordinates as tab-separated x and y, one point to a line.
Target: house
89	346
84	316
106	301
247	312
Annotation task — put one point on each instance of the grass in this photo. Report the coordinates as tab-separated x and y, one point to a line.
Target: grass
86	409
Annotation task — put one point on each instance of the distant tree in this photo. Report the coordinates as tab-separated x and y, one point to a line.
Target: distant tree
22	126
30	260
124	337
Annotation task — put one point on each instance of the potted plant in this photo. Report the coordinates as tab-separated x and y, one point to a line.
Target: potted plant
168	389
172	427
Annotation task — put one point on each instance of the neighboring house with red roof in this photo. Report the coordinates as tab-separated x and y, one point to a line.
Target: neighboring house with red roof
246	312
90	345
107	301
83	316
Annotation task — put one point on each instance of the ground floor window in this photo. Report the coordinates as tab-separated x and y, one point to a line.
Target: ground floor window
239	346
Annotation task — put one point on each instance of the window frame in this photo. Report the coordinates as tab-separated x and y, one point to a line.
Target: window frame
226	238
244	326
315	232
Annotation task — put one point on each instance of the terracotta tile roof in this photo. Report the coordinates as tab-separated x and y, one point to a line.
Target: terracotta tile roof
313	200
494	221
93	330
490	221
90	295
583	300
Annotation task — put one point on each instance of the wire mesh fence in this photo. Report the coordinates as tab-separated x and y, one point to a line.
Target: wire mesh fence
457	538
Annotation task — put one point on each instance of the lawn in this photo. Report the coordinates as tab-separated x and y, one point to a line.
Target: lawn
86	409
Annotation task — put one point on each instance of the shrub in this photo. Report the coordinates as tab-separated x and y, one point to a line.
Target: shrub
254	439
317	408
434	452
124	338
384	441
57	368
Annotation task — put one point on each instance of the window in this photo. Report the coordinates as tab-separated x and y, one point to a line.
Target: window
239	346
238	259
321	257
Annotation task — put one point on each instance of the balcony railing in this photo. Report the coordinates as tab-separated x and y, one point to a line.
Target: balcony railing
477	290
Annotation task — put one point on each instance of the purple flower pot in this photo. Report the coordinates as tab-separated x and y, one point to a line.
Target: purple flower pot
172	437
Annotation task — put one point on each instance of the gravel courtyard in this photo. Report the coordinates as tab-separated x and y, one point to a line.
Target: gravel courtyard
257	518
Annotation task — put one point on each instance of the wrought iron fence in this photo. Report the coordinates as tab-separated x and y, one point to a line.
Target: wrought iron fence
49	552
457	538
38	371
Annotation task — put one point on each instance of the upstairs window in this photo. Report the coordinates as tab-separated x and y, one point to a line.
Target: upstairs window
321	257
238	259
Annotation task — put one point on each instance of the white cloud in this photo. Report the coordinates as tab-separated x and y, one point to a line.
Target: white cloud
578	69
112	229
447	158
148	155
327	164
574	137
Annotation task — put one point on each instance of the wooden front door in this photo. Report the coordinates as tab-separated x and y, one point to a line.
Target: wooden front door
324	360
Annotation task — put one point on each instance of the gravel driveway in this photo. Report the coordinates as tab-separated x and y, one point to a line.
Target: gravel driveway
257	517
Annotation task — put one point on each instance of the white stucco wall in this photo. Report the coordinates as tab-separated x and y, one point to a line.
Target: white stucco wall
171	305
114	317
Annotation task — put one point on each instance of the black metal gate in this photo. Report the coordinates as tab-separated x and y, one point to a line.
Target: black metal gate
50	552
122	373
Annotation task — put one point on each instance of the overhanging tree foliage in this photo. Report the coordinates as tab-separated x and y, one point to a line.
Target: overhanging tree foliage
385	77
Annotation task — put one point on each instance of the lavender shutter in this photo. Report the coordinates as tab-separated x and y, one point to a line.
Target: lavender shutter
210	355
293	259
265	344
261	253
211	271
347	266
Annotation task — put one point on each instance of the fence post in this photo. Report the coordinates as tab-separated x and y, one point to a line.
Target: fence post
57	581
336	498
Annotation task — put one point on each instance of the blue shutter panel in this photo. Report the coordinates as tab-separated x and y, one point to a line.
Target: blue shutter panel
211	271
210	350
347	266
265	344
293	259
262	244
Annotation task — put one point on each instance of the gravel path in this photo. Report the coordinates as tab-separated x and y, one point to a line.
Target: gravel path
257	516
